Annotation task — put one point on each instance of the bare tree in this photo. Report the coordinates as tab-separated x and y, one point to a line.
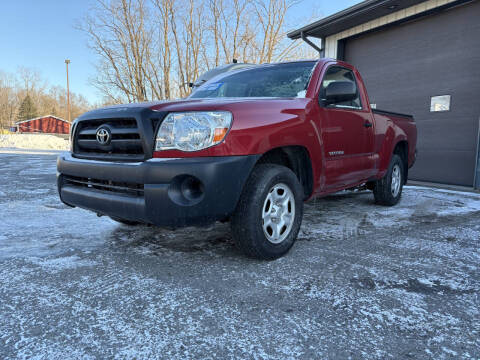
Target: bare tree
234	22
14	88
163	68
119	34
270	14
8	99
194	29
151	49
30	79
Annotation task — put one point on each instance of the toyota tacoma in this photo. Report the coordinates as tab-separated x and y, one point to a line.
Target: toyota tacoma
247	146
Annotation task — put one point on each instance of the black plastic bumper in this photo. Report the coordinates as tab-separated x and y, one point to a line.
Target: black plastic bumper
164	192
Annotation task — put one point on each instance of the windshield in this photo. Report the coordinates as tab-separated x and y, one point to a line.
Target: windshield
276	80
217	71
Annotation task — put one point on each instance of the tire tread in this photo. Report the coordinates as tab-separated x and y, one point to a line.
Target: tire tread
244	222
382	189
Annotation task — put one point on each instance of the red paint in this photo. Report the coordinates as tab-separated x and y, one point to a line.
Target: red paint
46	124
260	125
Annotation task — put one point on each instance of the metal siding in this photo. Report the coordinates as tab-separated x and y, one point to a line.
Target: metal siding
477	174
331	41
405	65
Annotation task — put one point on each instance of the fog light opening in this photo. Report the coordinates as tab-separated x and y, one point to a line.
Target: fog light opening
192	188
186	190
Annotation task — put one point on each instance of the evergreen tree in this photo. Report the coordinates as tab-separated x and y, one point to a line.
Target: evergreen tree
27	109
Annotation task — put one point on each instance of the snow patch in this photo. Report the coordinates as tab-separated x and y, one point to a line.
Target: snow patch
33	141
63	263
53	232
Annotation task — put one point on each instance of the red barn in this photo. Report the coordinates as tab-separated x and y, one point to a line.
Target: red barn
48	124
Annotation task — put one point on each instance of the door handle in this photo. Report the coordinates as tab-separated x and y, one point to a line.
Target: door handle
368	124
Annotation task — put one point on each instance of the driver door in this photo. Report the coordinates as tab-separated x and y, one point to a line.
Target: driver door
347	134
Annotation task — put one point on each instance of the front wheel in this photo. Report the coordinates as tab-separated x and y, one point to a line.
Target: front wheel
268	216
388	190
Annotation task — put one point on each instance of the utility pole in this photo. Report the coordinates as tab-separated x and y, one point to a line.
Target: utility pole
68	93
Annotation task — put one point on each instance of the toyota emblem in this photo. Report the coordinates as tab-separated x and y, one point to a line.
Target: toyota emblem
103	136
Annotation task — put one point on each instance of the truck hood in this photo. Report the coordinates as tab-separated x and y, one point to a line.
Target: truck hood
200	105
215	103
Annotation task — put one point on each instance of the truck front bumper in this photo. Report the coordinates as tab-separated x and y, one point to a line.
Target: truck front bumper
163	192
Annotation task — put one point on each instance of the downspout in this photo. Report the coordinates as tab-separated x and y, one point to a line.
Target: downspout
321	51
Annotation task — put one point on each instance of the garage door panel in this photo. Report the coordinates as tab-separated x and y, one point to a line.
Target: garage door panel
430	131
432	164
411	92
405	65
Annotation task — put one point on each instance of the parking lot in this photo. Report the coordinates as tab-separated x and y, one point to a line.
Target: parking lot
362	281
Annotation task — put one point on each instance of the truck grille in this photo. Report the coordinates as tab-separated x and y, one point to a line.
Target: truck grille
124	139
132	189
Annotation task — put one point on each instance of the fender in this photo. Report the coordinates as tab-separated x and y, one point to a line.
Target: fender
262	125
392	135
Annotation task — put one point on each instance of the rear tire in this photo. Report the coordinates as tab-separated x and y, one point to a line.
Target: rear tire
269	213
125	222
388	190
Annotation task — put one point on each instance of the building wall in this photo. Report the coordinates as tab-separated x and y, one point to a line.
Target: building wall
426	53
405	65
331	42
47	124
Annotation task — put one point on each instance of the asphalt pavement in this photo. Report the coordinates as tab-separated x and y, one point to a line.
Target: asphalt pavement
362	281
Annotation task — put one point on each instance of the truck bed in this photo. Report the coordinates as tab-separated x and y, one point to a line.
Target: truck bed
406	123
391	113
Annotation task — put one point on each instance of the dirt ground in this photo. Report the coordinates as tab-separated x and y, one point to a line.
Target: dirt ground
362	281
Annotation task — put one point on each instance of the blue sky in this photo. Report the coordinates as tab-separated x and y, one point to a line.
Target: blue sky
40	34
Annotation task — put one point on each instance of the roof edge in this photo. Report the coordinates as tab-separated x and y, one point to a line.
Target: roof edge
355	9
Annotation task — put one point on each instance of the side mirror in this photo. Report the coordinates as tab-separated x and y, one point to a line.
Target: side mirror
339	91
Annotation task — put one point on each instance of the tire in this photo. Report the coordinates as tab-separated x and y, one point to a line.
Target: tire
125	222
388	190
269	213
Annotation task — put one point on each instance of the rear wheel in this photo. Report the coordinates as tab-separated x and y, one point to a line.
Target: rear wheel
388	190
266	222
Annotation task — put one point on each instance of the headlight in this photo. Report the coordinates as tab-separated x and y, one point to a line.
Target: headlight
192	131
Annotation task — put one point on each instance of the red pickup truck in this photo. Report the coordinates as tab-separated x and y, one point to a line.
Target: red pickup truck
248	146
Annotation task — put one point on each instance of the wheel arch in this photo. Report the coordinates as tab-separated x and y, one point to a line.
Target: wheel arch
297	159
401	149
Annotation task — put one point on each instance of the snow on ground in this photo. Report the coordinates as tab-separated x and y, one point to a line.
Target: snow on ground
417	203
33	141
362	281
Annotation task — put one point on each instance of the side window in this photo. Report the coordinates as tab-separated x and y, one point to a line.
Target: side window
337	73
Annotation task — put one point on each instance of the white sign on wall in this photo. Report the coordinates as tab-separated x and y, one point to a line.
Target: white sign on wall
440	103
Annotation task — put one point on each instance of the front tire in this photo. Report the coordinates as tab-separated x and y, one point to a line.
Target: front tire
269	213
388	190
